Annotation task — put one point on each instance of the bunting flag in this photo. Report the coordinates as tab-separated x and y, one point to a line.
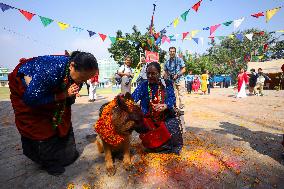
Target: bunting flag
280	31
227	23
257	15
121	39
184	35
27	14
261	33
249	36
240	37
214	28
260	57
158	41
196	40
103	36
5	7
202	40
196	6
265	47
184	15
172	38
206	28
112	39
91	33
238	22
62	25
77	29
45	21
271	13
176	21
231	36
165	38
157	35
194	32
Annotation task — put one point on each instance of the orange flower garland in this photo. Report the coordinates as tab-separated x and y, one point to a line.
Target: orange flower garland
105	128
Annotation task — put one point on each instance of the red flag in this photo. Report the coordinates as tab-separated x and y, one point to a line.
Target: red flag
259	33
157	35
257	15
184	35
103	36
27	14
196	6
265	47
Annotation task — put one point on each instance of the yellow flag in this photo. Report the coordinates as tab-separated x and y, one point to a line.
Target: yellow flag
62	25
231	36
271	13
194	32
281	31
120	39
260	57
176	21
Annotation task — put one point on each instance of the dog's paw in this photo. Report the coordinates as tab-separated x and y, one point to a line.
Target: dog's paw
111	171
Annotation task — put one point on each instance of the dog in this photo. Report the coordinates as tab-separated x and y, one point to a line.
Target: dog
126	117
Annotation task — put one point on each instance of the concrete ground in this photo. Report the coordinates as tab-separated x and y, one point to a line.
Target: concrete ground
229	143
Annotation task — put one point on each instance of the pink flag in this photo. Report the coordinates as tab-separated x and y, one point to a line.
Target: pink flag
166	38
184	35
214	28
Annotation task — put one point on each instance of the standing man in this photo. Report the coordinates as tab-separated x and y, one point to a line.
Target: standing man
93	82
188	81
126	75
261	77
174	69
252	81
142	75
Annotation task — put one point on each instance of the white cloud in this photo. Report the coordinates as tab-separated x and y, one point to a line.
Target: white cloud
94	45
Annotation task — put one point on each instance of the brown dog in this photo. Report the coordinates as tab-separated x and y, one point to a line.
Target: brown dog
114	133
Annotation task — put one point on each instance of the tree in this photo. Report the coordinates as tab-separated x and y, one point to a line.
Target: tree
278	50
133	44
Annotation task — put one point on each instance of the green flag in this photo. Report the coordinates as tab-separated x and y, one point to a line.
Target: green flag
228	23
45	21
112	39
220	37
184	15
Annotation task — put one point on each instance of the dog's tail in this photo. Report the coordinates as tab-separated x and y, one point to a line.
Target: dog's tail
100	144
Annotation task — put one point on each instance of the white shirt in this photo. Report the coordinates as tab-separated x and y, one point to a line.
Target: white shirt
126	69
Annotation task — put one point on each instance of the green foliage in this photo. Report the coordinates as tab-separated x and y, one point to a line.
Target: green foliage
133	44
278	50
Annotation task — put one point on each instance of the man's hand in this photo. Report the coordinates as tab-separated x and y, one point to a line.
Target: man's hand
73	90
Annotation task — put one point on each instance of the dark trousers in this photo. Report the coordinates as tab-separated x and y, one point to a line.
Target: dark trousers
208	88
52	152
189	86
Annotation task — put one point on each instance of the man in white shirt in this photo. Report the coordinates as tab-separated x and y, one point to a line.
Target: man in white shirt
126	75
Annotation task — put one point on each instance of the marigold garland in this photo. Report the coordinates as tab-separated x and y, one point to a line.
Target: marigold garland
104	125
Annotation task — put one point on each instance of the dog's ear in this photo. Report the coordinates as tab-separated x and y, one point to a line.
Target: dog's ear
121	103
128	96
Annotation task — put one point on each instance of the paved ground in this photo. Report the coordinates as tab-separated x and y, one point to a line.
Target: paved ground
229	143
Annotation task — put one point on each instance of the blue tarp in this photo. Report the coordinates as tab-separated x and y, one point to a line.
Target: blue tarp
220	78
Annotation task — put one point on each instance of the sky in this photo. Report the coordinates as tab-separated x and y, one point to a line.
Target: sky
22	38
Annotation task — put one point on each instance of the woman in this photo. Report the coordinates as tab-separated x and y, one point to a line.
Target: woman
196	84
242	81
126	74
42	91
204	79
162	131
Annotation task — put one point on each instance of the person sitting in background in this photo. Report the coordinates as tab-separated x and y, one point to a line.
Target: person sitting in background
42	90
162	132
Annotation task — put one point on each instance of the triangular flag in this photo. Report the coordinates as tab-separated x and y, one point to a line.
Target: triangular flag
121	39
228	23
62	25
265	47
176	21
184	15
240	37
112	39
103	36
77	29
196	40
249	36
202	40
196	6
257	15
172	38
238	22
5	7
260	57
194	32
207	28
280	31
184	35
271	13
27	14
165	38
213	28
91	33
231	36
45	21
158	41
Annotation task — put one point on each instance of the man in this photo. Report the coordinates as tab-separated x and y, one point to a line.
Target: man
93	82
142	75
261	77
252	81
126	75
188	81
174	69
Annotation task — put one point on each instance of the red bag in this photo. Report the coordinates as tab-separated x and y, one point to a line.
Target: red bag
157	136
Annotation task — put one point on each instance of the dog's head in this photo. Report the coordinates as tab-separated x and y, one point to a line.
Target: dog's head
126	115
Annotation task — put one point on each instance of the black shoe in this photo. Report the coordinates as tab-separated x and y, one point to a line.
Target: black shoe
55	170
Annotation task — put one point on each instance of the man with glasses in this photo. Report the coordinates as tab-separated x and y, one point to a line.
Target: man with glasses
174	69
